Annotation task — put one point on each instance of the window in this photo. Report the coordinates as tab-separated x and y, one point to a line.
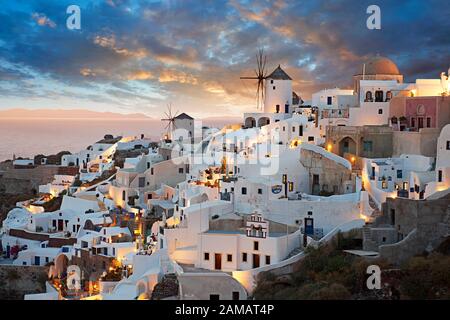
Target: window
259	191
300	131
229	258
206	256
413	122
448	145
148	165
380	111
271	81
291	186
384	184
274	87
293	129
399	174
267	259
329	101
440	176
311	138
378	96
124	195
428	122
235	295
46	260
244	190
369	96
151	171
367	146
180	170
277	107
388	96
255	245
244	257
284	128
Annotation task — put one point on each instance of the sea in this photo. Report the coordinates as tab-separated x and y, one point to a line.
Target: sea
28	137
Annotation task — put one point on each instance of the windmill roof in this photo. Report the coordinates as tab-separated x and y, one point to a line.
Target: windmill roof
279	74
184	116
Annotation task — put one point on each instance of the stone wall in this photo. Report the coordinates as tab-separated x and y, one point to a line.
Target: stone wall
381	137
16	281
332	175
15	181
423	142
92	265
420	225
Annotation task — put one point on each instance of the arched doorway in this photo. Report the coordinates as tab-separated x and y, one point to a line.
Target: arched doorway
61	263
263	121
141	288
250	122
347	145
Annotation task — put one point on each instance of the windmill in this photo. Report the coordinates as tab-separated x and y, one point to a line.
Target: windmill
170	118
260	75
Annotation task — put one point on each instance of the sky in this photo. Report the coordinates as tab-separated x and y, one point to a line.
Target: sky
135	56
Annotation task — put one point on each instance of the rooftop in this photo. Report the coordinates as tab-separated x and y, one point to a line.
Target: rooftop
279	74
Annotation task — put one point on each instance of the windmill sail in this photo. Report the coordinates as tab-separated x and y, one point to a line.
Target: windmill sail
260	76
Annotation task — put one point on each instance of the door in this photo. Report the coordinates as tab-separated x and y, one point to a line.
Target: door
8	251
255	260
420	122
60	225
309	226
37	261
286	108
315	184
218	261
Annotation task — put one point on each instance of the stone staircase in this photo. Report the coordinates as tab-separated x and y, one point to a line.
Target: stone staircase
368	243
376	212
294	252
447	221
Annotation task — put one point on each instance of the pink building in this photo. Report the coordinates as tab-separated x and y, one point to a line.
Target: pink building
414	113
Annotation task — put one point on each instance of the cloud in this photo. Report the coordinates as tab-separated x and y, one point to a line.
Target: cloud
129	51
42	20
177	76
140	75
110	43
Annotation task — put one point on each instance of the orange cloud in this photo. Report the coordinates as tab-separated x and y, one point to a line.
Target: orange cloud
177	76
110	43
42	20
140	75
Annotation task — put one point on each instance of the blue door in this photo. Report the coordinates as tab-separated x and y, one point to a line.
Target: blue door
37	261
309	226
